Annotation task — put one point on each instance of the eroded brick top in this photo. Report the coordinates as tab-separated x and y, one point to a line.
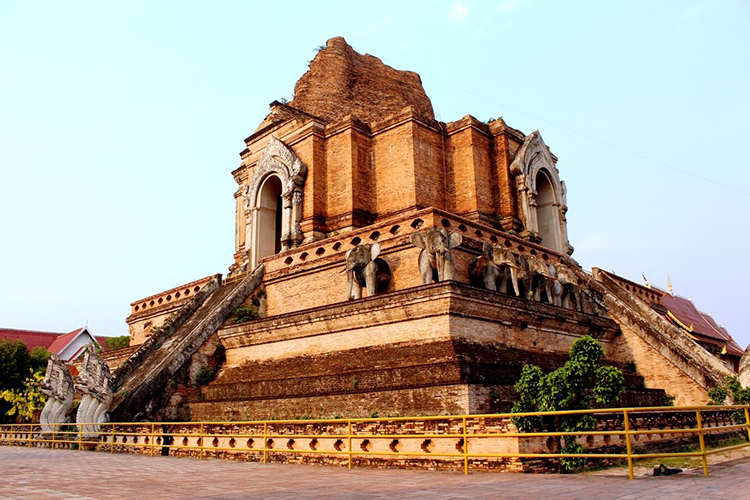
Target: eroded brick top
342	82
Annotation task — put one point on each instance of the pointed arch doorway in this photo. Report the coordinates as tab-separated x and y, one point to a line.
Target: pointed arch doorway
270	215
547	212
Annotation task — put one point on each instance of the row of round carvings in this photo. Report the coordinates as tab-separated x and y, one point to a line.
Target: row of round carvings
517	247
166	297
251	444
653	297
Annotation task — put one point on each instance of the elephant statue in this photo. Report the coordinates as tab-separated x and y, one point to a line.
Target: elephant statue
365	269
536	277
495	264
436	259
566	284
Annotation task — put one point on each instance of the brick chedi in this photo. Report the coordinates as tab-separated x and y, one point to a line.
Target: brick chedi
390	263
342	82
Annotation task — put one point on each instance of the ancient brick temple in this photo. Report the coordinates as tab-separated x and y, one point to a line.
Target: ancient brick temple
390	264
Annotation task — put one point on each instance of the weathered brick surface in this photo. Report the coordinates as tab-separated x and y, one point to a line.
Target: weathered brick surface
341	82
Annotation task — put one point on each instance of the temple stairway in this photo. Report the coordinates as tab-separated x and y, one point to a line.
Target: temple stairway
677	353
148	370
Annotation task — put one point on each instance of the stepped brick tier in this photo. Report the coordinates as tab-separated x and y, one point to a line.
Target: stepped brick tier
394	264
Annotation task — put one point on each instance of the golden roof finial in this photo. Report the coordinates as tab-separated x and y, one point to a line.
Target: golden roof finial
648	285
669	285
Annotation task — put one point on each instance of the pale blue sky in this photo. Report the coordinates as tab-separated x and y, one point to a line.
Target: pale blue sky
120	123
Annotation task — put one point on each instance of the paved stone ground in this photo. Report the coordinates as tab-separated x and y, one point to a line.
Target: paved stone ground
44	473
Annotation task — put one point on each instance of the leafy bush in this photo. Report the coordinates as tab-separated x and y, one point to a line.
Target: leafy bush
118	342
244	313
563	389
206	375
739	395
15	363
667	400
718	395
25	401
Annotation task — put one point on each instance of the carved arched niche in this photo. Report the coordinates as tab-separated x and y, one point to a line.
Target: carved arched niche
541	195
277	161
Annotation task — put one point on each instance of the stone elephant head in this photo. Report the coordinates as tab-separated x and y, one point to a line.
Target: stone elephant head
537	277
436	259
565	289
493	267
365	269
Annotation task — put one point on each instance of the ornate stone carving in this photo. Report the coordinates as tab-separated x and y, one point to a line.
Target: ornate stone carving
58	387
532	158
436	259
536	277
495	266
566	287
95	382
277	159
530	277
365	269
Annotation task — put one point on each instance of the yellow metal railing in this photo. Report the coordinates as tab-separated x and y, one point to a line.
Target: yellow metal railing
462	438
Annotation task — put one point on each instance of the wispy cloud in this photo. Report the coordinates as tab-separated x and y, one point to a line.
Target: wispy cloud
459	11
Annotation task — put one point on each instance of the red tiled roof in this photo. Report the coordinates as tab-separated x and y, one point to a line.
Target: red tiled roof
31	338
63	340
52	341
703	324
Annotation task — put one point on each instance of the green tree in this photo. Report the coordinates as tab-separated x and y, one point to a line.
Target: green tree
25	401
15	363
118	342
565	389
38	358
739	395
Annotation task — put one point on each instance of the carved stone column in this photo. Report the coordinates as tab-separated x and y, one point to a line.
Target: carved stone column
286	221
297	235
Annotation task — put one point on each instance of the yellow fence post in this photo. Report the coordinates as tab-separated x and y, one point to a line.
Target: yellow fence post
200	440
349	445
265	440
152	438
702	441
31	433
747	423
80	437
54	434
112	441
12	432
466	449
626	420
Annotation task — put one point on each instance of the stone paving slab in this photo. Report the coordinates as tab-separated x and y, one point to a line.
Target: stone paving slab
43	473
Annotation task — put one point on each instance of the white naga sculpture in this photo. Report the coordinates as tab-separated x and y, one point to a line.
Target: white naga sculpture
58	387
95	382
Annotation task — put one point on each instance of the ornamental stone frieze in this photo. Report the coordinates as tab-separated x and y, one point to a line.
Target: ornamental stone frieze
541	195
280	161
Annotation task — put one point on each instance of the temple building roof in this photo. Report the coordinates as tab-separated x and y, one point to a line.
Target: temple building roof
66	345
683	313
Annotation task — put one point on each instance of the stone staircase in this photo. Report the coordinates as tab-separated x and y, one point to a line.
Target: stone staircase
148	370
655	331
